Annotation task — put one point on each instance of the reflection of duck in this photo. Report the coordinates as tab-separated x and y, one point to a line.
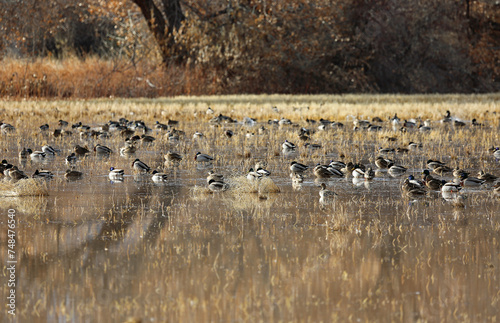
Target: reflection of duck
324	193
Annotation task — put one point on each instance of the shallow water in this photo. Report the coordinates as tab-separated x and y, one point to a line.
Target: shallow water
102	250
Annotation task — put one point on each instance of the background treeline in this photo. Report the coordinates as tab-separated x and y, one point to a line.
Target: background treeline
98	48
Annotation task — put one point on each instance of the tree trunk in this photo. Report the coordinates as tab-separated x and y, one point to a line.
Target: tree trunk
162	25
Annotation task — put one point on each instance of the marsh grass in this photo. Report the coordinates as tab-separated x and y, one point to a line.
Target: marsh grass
26	187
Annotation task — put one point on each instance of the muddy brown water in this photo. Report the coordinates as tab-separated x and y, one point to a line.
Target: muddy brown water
97	250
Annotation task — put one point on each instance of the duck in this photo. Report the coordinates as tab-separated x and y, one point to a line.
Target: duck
23	154
337	164
203	158
385	151
447	117
395	120
145	139
140	166
496	188
434	163
264	172
102	150
369	173
73	174
476	124
253	175
172	157
413	145
16	174
161	126
62	123
457	172
451	187
432	183
409	124
115	173
496	153
312	146
44	127
324	193
228	133
159	177
296	167
198	135
81	151
37	155
288	146
216	186
486	176
358	173
128	149
396	170
413	187
49	150
71	159
42	174
323	171
415	182
442	170
471	181
423	128
349	167
383	163
214	176
7	128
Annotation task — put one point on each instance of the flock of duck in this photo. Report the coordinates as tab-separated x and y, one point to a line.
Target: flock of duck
215	182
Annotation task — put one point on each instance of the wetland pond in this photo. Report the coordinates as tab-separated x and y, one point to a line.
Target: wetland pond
101	250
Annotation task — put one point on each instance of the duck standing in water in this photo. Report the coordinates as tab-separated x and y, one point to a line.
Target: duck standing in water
140	166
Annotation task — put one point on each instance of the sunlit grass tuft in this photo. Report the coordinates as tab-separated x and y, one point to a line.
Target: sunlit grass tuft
25	187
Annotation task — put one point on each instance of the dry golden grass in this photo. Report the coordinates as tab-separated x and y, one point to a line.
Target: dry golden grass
25	187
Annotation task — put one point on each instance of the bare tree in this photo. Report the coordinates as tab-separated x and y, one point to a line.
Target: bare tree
164	18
